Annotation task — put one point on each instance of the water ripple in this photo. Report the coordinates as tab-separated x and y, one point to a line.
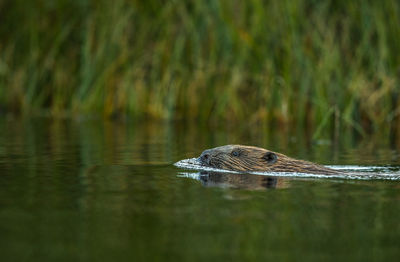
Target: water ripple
349	171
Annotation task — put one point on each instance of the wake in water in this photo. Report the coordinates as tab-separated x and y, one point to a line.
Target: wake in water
349	171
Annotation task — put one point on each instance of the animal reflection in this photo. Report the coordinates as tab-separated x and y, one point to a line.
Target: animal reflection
241	181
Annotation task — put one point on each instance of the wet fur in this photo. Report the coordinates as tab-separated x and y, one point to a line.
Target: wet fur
249	158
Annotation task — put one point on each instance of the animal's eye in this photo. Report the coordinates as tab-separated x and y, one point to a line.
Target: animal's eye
235	153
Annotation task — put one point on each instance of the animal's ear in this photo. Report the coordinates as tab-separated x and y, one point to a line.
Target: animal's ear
270	157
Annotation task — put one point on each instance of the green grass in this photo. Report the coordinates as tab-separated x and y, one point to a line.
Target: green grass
299	62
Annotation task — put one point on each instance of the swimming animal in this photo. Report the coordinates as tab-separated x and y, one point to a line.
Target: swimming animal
250	158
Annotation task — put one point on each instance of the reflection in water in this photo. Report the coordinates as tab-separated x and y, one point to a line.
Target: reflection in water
91	190
238	181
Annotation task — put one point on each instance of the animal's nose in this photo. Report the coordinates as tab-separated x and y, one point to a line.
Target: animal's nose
205	157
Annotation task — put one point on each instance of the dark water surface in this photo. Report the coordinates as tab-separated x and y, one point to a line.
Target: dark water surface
76	190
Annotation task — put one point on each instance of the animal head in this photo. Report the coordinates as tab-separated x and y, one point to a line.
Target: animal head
240	158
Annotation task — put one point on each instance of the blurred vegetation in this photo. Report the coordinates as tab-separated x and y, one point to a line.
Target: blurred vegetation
320	64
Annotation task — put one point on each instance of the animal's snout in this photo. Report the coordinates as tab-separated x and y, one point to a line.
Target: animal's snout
205	157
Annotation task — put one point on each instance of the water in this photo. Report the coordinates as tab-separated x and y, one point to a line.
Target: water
85	189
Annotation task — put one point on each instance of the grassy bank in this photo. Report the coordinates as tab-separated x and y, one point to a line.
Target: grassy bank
322	64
